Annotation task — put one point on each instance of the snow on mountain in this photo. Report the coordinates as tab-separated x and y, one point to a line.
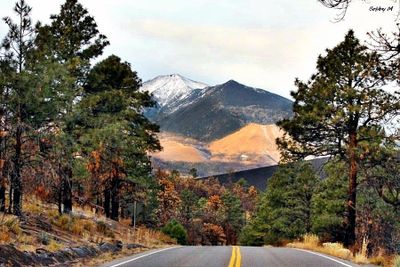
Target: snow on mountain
169	89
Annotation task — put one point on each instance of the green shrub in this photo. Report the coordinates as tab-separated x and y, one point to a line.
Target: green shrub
44	238
249	236
176	230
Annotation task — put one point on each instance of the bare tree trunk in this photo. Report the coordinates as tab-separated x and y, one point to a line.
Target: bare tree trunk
106	203
3	185
2	198
115	199
2	173
67	191
59	204
10	199
350	237
99	203
16	173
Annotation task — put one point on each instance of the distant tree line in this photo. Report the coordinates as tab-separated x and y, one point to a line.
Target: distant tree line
200	211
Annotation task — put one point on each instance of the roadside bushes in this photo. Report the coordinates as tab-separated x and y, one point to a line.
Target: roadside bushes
176	230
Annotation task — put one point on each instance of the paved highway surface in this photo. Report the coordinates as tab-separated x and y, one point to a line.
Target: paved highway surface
229	257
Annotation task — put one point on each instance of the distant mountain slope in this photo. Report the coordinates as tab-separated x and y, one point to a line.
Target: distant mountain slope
252	143
180	149
252	146
217	111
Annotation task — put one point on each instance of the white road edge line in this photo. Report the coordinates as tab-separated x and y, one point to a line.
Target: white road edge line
323	256
145	255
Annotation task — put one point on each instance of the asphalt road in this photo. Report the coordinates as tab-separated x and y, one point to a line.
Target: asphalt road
229	257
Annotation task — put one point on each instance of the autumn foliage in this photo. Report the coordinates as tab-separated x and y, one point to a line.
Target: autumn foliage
212	214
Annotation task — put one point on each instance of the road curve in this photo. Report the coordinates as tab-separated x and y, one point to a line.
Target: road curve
229	257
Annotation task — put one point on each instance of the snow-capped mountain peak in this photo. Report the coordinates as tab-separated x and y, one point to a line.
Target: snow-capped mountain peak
168	89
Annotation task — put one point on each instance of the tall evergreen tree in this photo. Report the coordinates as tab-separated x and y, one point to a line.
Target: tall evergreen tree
284	211
234	218
329	203
340	111
4	131
74	37
112	117
34	96
16	46
74	40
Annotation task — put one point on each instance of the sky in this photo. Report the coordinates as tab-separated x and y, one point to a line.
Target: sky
260	43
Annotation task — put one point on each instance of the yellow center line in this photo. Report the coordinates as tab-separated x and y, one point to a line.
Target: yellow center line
233	257
236	258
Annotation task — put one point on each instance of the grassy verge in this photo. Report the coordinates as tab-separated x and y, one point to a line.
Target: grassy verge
43	228
312	242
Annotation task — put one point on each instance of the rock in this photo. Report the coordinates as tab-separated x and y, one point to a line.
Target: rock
63	256
9	255
119	244
92	251
106	247
132	246
45	259
79	252
42	251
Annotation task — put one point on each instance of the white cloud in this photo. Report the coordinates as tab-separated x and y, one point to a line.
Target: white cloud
257	42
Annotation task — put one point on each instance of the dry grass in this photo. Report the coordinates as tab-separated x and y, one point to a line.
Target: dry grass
83	227
4	235
381	260
32	206
311	242
361	257
54	246
9	228
396	261
151	238
27	247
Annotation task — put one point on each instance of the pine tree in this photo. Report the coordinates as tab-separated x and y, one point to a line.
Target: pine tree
284	210
113	121
73	40
17	44
74	37
382	172
329	203
34	96
339	111
234	217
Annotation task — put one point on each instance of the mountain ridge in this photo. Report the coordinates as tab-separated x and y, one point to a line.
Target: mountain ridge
216	111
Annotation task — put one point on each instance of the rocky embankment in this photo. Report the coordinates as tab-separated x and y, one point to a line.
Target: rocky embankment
10	256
